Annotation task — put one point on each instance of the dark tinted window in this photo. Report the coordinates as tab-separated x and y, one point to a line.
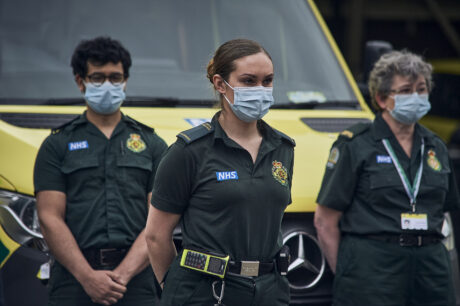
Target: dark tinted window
445	97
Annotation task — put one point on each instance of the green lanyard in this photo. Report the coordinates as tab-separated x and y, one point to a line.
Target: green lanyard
411	191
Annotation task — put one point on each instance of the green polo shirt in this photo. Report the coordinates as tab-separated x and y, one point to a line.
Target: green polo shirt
362	181
106	181
228	204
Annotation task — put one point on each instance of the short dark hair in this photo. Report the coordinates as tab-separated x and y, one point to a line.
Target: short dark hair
99	51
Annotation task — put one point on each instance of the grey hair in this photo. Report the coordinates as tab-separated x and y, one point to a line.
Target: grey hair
402	63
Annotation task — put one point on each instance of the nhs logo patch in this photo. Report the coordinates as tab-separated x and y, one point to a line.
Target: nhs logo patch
78	145
383	159
228	175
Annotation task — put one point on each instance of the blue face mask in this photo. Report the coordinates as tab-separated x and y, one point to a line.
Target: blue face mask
250	103
104	99
410	108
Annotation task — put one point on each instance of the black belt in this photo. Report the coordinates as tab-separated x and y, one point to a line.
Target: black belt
250	268
406	239
101	258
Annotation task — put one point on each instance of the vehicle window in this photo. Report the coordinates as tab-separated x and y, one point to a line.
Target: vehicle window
445	97
170	42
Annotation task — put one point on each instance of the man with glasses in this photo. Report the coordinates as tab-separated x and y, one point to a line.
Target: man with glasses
93	180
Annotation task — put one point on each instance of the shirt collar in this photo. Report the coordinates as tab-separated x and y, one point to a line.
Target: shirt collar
268	135
218	130
130	121
381	130
82	119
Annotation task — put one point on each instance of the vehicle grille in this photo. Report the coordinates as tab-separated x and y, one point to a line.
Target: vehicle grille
36	121
332	125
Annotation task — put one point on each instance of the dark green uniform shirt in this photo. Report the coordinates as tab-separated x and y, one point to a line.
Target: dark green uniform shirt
363	183
106	181
228	204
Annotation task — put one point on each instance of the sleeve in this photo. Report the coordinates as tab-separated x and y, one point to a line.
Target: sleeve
173	180
47	171
159	149
340	179
453	198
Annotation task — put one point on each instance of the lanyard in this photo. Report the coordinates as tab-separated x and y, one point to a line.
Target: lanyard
411	191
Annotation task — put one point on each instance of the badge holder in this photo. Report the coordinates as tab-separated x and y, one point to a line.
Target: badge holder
413	221
410	220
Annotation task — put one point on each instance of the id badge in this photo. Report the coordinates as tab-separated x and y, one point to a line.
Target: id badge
44	272
412	221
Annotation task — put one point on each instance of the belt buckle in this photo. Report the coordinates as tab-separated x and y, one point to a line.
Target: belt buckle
250	268
405	240
103	256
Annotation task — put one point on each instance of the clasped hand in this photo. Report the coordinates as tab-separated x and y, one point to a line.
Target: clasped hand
104	287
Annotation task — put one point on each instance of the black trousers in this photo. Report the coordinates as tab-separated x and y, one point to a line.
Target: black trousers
187	287
65	290
371	272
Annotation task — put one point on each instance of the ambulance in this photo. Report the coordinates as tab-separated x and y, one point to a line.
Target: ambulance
170	43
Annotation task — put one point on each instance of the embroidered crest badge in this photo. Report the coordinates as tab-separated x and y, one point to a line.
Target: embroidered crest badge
280	172
333	158
433	161
135	143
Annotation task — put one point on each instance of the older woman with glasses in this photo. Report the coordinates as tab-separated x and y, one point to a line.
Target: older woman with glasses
386	187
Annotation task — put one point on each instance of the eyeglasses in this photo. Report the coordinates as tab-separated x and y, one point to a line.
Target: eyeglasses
97	78
408	91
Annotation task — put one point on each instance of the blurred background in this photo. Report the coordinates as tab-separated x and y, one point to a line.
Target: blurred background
427	27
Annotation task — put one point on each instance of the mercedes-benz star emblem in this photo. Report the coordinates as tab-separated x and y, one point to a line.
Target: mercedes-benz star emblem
307	261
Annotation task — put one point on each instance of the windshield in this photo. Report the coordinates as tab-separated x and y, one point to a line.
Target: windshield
170	43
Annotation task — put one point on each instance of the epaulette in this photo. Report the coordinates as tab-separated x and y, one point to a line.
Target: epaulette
424	131
62	126
196	132
285	137
355	130
429	135
139	124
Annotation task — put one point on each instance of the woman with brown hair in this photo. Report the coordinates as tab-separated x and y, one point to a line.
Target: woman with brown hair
227	182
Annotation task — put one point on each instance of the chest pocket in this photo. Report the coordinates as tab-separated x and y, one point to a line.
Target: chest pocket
72	165
140	162
436	180
83	177
384	180
385	187
136	169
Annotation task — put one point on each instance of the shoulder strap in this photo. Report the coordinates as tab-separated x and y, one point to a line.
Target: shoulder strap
196	132
62	126
139	124
285	137
355	130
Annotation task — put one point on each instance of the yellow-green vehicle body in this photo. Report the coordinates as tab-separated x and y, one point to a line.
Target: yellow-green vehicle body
170	42
311	150
443	127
